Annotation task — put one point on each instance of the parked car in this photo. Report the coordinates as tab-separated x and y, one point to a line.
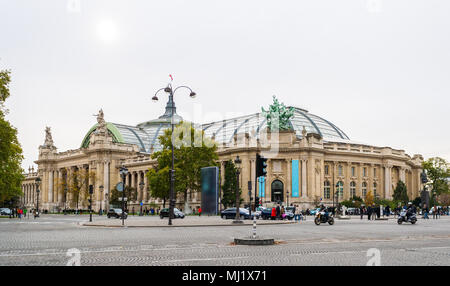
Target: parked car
5	211
176	213
266	213
231	213
117	213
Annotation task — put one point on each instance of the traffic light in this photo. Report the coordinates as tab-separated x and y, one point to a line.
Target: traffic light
261	166
257	202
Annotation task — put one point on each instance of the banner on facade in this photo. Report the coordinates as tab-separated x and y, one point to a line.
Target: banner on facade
295	179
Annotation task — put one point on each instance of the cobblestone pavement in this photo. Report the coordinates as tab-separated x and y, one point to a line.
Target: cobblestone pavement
46	240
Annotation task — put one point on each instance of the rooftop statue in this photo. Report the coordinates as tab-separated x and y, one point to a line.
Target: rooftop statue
48	137
278	116
101	122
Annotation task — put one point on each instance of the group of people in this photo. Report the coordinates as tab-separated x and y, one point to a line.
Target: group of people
374	211
22	212
278	212
436	211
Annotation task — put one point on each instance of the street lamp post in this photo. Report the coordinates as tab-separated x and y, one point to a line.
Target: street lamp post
171	92
287	197
123	172
101	201
91	191
141	187
237	163
38	182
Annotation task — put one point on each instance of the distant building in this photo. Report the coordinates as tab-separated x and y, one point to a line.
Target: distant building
308	164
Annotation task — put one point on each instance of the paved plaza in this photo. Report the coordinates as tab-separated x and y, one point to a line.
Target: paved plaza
46	241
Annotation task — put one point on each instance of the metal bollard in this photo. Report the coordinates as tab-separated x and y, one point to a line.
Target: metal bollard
254	227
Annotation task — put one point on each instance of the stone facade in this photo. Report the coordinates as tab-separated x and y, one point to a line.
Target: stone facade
324	168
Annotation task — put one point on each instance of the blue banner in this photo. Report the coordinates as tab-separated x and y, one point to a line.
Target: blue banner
295	179
261	181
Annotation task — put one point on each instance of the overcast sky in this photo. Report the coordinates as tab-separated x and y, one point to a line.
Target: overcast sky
377	69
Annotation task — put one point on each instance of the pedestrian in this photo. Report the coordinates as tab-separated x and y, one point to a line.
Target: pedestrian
425	212
434	212
361	211
369	212
278	212
200	211
387	210
25	213
282	212
273	215
298	214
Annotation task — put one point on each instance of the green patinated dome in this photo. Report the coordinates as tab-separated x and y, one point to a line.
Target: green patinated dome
145	135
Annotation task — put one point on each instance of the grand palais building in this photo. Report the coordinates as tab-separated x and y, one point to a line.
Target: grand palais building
308	163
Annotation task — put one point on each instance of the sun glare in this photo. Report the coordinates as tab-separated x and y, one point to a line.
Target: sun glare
107	31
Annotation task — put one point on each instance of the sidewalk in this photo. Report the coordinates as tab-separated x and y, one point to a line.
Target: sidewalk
188	221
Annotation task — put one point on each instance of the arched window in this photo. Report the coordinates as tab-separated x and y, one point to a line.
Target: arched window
364	190
340	170
352	189
375	190
326	170
326	190
340	189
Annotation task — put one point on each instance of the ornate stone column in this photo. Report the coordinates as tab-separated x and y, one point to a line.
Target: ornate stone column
304	174
146	196
106	187
60	187
50	187
387	181
402	175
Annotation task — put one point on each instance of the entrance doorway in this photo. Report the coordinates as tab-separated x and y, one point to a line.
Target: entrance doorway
277	191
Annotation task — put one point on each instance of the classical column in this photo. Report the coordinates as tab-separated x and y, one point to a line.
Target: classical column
60	187
387	181
50	186
402	174
304	162
289	180
347	180
146	198
105	183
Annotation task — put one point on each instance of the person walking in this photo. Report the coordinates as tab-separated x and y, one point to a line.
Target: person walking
297	215
200	211
361	211
273	215
433	211
278	212
425	212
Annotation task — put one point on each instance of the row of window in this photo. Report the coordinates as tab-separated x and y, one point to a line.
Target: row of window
341	171
340	189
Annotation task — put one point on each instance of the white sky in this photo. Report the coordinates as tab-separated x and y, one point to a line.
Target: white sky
377	69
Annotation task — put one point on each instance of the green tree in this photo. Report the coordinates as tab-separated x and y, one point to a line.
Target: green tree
369	199
438	172
78	186
401	193
11	172
192	151
159	184
116	196
229	185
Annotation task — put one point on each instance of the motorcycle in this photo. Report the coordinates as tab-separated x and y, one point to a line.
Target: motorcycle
321	218
402	218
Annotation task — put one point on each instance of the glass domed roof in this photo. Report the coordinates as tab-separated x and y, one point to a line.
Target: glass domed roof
145	135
